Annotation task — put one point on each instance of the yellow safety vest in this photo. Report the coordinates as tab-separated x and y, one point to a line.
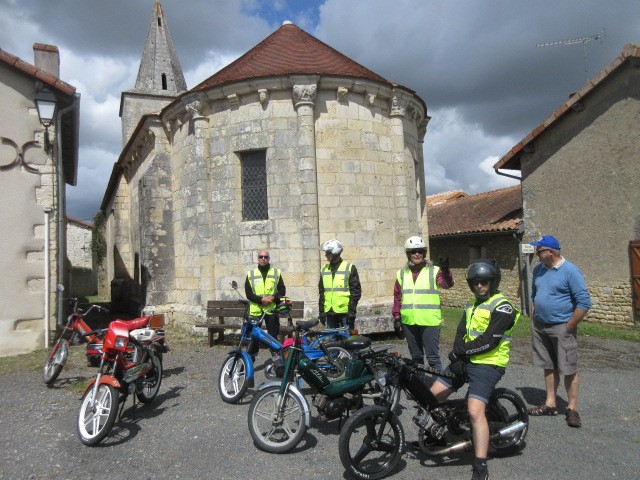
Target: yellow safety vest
336	287
260	287
420	300
477	320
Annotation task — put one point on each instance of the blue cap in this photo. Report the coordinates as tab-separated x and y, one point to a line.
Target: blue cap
547	241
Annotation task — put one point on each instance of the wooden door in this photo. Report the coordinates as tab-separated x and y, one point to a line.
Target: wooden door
634	262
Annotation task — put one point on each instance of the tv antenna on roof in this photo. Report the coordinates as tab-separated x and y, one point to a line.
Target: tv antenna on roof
576	41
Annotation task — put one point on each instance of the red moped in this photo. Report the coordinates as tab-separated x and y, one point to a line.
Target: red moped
131	363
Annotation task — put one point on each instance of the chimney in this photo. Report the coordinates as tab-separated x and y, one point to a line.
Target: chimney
47	58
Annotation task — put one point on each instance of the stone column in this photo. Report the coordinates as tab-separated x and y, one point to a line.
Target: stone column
304	96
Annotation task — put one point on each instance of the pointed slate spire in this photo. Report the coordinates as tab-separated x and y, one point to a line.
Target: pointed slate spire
160	78
160	71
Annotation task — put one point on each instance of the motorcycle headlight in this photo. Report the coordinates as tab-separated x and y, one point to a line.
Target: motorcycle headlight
381	378
121	342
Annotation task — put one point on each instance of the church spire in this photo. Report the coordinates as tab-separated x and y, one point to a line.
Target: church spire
160	78
160	70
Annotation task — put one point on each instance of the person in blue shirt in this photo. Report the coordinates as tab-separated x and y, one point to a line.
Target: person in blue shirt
560	300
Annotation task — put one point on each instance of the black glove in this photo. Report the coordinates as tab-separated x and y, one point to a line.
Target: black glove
444	264
456	354
459	369
453	357
323	319
397	326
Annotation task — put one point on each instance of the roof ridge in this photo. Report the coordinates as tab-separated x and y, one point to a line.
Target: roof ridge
36	72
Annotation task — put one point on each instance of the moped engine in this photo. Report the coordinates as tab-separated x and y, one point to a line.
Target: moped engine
431	423
335	407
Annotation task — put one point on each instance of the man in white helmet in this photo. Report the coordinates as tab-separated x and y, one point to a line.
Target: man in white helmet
339	288
416	302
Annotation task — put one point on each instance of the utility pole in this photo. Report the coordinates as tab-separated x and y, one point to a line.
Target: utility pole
576	41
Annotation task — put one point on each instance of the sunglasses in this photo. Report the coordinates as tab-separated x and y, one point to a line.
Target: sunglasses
263	256
540	250
480	281
421	252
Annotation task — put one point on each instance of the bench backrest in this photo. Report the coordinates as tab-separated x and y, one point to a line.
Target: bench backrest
232	309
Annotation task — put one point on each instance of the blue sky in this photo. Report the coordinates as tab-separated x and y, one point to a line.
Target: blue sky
474	62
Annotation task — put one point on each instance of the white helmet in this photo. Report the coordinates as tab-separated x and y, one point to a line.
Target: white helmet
414	242
333	246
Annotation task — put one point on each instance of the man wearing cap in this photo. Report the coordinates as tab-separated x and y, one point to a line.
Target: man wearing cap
560	300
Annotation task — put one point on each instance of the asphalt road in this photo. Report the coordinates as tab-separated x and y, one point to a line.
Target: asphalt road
188	432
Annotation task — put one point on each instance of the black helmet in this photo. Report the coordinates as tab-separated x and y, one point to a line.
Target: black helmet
483	268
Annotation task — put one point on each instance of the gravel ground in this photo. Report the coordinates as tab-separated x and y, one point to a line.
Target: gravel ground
188	432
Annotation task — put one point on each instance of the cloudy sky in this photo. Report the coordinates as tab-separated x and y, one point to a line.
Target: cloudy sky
474	62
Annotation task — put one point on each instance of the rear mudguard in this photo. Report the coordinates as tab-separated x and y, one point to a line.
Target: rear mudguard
250	372
104	379
296	393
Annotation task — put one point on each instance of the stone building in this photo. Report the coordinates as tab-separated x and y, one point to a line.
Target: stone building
579	183
82	274
35	166
288	146
467	227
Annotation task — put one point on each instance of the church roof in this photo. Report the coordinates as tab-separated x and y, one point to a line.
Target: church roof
290	51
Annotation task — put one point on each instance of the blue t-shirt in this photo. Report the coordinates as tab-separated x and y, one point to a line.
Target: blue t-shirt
558	291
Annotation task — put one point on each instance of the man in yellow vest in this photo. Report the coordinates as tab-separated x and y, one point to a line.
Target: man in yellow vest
264	287
339	289
480	353
416	302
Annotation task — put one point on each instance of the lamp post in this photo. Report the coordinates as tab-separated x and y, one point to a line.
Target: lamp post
46	103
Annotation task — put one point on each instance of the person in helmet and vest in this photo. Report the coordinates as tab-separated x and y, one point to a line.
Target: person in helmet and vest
480	353
263	288
416	302
339	288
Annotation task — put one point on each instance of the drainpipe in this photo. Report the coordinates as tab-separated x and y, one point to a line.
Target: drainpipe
507	174
47	274
62	211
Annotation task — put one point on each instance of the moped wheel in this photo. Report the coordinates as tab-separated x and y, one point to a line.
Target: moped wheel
148	387
55	361
506	408
272	430
339	357
232	380
369	446
95	423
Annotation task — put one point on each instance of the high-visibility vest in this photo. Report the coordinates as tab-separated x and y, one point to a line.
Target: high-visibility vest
420	300
477	320
262	287
336	287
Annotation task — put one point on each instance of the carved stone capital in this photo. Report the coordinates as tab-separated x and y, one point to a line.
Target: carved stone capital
304	94
194	108
263	95
398	106
233	99
422	128
370	97
342	94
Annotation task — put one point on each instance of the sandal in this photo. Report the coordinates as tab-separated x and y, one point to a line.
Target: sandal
542	410
573	419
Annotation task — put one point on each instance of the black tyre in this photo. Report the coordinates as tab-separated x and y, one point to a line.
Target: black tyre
272	430
95	423
232	379
148	386
369	447
506	408
55	361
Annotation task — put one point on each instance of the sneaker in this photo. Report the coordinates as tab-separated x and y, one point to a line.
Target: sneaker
573	419
479	470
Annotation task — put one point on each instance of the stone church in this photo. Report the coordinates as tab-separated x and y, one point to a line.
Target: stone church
288	146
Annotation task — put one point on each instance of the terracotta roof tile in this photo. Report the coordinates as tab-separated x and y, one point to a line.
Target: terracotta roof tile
493	211
290	51
438	198
512	162
29	69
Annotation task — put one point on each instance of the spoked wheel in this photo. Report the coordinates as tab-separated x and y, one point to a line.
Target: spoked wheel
55	361
339	358
148	387
95	423
370	448
505	409
232	380
273	430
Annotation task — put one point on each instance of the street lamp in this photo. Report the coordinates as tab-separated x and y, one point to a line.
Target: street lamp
46	105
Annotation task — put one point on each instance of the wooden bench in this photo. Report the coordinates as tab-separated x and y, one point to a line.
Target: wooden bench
219	311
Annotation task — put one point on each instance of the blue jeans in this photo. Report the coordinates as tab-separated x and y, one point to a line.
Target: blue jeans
421	340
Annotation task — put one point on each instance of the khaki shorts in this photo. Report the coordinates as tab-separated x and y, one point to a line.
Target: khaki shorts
555	348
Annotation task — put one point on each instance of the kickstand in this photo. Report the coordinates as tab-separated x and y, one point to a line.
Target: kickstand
124	400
